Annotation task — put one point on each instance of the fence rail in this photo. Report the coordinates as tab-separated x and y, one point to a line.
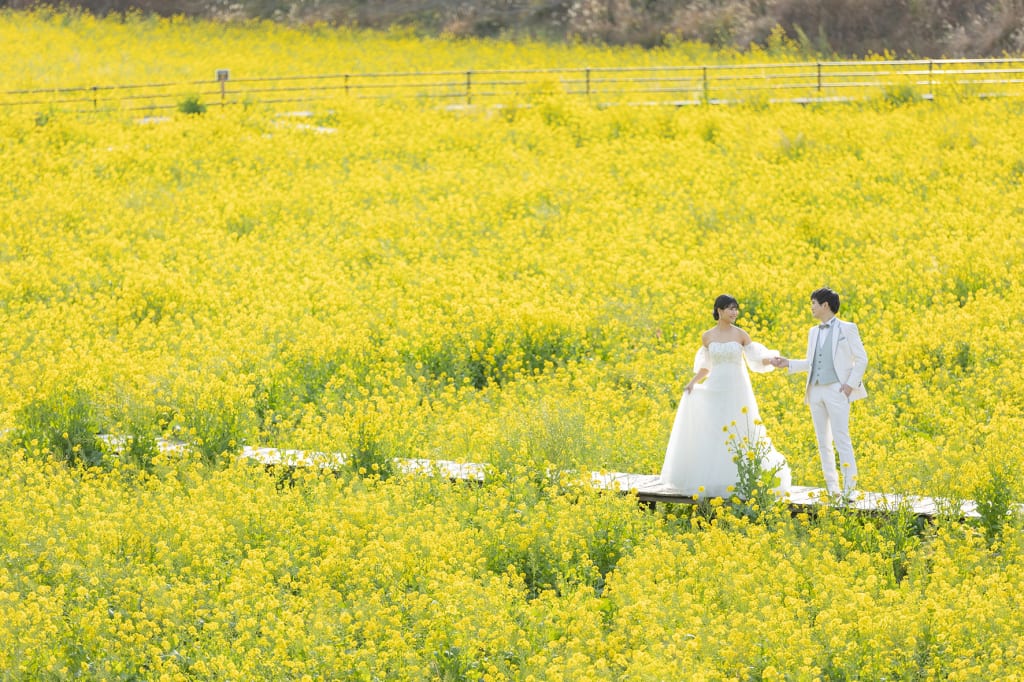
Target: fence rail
670	85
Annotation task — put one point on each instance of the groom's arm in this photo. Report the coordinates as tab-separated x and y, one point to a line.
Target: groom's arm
796	366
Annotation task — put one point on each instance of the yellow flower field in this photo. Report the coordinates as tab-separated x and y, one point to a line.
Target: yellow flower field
522	287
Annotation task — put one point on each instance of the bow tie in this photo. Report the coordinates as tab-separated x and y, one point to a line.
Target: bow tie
825	326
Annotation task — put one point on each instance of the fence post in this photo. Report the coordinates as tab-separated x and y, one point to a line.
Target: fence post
222	78
819	79
346	85
707	98
469	87
588	81
931	85
95	102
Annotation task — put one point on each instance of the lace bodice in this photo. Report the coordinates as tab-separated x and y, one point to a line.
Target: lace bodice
721	353
725	353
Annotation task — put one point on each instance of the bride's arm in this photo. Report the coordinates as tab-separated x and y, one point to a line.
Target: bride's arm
701	366
697	379
759	358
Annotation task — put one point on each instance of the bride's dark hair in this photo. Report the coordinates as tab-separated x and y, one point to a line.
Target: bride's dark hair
725	301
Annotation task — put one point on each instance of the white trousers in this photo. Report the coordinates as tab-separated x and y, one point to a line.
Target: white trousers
830	411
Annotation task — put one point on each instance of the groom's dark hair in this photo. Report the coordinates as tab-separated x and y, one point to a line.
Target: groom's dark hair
725	301
828	297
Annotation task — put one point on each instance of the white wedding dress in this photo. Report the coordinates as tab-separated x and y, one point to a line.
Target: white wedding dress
698	460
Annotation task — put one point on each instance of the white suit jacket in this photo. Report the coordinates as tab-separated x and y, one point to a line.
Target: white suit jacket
848	355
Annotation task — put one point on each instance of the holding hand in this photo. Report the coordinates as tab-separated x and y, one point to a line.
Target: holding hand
780	362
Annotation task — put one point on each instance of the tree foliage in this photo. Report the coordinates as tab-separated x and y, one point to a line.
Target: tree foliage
925	28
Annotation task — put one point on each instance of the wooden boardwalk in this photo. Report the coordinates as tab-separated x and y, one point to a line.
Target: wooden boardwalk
648	488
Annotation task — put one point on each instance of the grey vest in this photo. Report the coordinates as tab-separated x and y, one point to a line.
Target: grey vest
823	370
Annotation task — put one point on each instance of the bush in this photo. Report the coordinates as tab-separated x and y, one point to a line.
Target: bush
370	451
994	501
754	497
219	417
192	105
63	424
896	95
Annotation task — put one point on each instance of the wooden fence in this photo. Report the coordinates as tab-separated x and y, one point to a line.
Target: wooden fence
806	82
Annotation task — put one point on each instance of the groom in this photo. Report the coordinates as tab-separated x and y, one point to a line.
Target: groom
835	365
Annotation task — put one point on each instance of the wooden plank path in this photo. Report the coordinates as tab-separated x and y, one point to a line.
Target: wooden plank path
648	488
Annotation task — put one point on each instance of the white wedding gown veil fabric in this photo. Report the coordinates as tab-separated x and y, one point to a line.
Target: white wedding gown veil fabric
698	460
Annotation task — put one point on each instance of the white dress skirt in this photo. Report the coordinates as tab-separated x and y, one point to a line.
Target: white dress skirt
699	460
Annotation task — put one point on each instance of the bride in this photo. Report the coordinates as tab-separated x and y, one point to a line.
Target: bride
699	457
